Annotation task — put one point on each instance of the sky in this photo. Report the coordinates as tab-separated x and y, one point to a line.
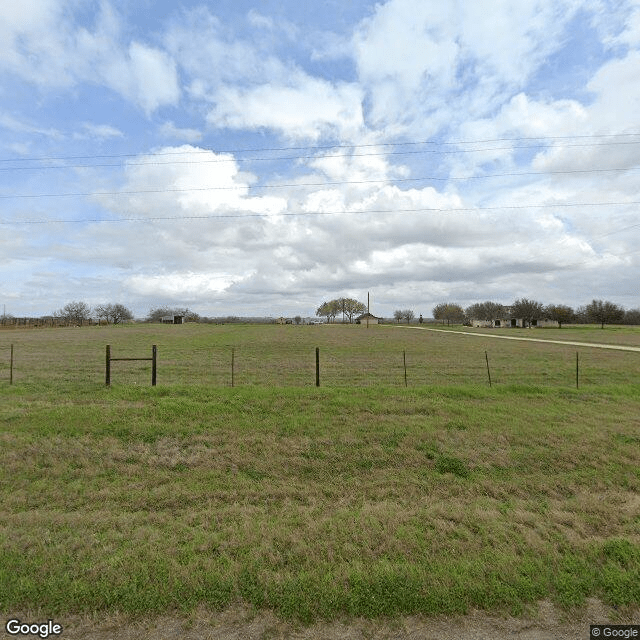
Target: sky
258	158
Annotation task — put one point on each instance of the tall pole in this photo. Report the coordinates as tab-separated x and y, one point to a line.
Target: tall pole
368	310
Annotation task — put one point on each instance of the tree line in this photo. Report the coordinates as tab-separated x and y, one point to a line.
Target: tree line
597	312
80	313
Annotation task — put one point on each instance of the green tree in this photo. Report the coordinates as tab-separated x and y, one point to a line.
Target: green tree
561	313
528	310
351	308
485	311
348	307
601	312
449	311
328	310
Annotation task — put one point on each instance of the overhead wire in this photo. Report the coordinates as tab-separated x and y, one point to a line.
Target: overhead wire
318	184
338	146
310	157
324	213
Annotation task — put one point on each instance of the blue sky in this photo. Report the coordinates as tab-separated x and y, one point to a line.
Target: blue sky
257	158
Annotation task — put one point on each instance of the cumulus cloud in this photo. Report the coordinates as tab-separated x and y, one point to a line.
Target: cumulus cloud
305	107
449	219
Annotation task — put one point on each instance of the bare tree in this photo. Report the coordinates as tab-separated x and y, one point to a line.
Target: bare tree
632	316
398	314
113	313
156	314
74	313
408	315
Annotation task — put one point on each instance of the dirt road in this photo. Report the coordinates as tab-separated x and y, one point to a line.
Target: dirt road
595	345
544	623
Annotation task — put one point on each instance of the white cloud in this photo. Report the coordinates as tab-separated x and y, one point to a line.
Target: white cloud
178	286
187	180
19	125
46	47
186	134
148	77
306	107
100	131
431	62
207	233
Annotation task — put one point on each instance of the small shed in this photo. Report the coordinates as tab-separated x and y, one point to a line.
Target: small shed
367	318
172	320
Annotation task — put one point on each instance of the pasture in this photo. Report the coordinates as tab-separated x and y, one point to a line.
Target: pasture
363	497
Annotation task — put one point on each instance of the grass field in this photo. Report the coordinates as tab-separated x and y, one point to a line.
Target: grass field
363	497
272	355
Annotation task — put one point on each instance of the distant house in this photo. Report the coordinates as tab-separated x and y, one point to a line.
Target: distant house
172	320
367	318
514	322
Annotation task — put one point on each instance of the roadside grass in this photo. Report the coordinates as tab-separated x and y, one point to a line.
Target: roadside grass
358	498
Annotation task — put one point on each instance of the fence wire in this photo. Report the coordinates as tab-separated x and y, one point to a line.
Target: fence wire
285	357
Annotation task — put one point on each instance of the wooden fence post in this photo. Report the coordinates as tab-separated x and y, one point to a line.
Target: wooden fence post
107	374
577	370
404	358
317	366
486	356
233	365
154	364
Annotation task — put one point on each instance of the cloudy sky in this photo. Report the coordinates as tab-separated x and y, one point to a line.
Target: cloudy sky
257	158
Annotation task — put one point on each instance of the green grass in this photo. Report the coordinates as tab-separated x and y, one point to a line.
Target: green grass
284	356
362	497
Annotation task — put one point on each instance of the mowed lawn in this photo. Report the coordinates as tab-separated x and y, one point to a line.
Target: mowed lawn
367	496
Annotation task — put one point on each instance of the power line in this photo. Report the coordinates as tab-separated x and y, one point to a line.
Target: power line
540	142
289	214
318	184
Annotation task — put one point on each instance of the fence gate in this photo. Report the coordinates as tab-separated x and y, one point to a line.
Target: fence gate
109	360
